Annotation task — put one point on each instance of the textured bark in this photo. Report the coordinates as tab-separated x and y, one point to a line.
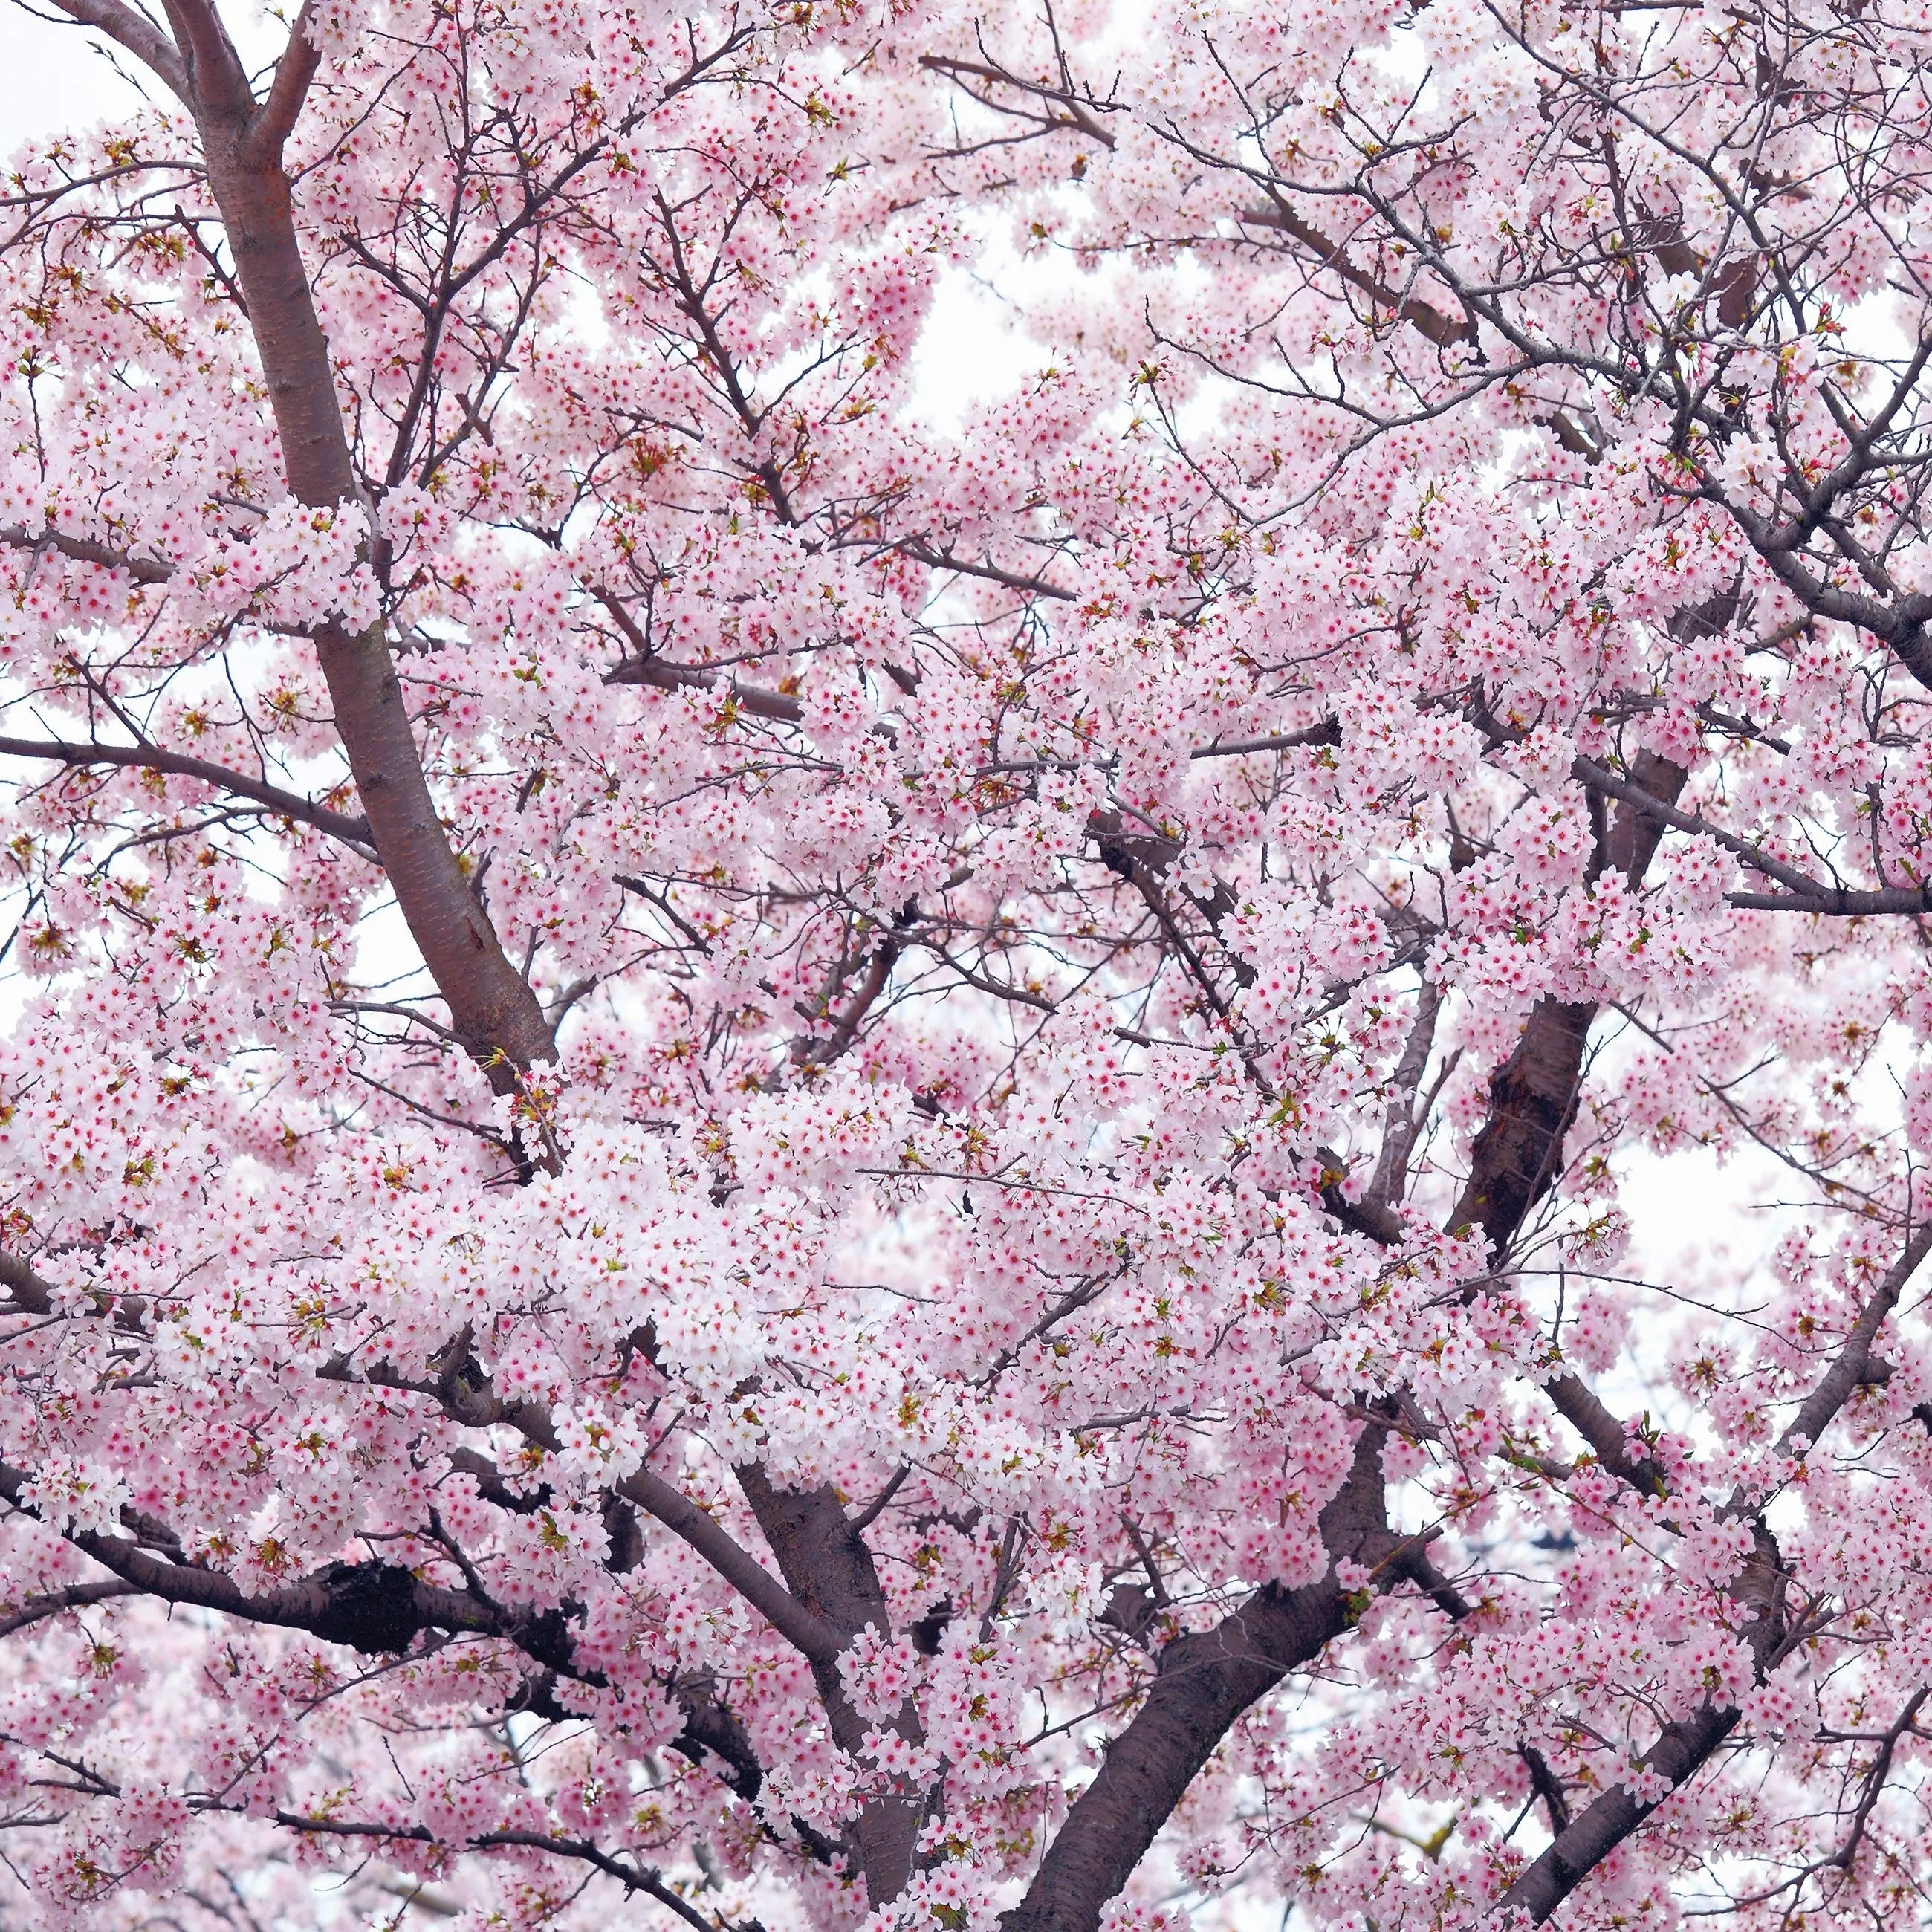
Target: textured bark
1205	1682
375	1607
1518	1152
152	758
1494	1194
1533	1099
1582	1845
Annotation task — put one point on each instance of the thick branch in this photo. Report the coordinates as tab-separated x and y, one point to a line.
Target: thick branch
1203	1684
1659	811
80	550
830	1570
29	1291
1850	1370
1682	1748
1840	902
373	1607
1583	1844
1686	1745
1578	1406
56	1602
219	82
814	1636
1428	321
1533	1096
276	119
492	1009
1518	1152
465	1396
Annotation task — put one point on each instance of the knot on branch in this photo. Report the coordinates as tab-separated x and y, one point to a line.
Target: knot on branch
1120	850
371	1607
546	1637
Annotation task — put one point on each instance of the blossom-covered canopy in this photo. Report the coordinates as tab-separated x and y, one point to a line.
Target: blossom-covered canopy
772	1156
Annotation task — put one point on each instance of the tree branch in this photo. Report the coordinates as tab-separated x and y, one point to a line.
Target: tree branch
646	1878
74	1596
218	82
1849	1371
1518	1154
492	1007
274	121
814	1636
127	29
1202	1683
748	698
151	757
143	570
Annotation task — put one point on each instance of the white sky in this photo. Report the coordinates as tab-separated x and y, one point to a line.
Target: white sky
50	78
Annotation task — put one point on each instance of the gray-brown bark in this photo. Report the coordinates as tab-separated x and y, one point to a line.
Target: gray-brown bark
1205	1682
1683	1746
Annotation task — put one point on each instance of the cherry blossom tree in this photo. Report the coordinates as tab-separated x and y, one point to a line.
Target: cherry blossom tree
769	1163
